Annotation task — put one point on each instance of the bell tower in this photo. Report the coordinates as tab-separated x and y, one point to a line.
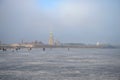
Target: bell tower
51	39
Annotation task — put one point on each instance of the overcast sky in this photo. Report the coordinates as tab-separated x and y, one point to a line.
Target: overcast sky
78	21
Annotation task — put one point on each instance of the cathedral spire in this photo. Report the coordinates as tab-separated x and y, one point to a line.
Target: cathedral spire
51	39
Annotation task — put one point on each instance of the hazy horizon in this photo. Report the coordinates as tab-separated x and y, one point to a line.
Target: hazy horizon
77	21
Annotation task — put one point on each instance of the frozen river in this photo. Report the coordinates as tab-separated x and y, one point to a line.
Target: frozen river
60	64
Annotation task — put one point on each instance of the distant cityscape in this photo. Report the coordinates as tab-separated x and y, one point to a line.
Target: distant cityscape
52	43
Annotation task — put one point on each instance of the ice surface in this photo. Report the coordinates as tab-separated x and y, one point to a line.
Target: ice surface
60	64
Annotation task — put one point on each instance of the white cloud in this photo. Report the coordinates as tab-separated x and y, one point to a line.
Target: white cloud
81	15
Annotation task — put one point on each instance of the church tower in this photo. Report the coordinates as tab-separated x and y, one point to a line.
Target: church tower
51	39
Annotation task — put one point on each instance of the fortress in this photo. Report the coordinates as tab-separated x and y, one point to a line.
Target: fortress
52	43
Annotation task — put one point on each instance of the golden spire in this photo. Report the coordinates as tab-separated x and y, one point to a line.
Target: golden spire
51	39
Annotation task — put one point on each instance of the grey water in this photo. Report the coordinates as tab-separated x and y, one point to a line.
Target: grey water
60	64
